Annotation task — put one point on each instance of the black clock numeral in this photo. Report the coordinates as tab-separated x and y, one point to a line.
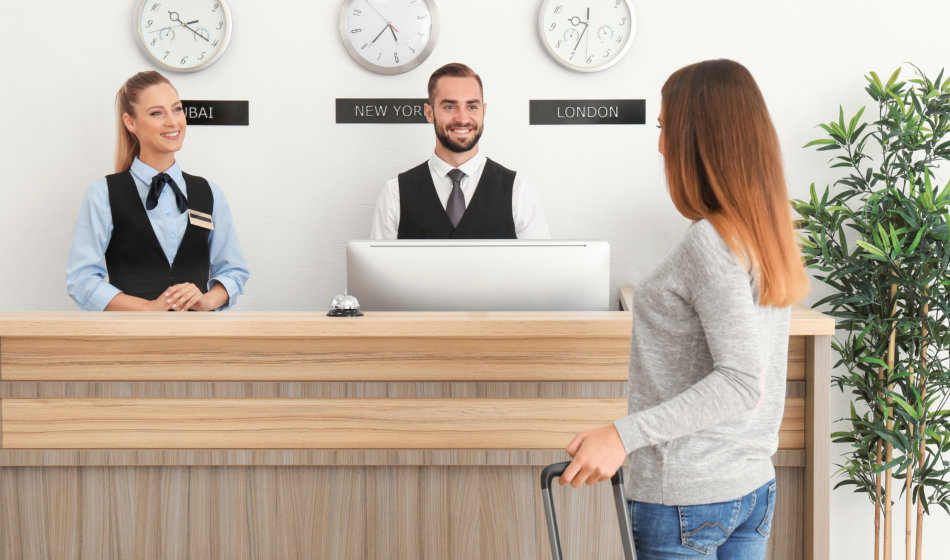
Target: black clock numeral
156	6
620	38
357	12
357	30
202	57
149	23
553	25
166	55
617	3
606	54
558	9
379	56
215	7
364	46
572	55
154	40
424	16
214	44
184	60
558	45
396	56
220	25
590	59
623	21
412	50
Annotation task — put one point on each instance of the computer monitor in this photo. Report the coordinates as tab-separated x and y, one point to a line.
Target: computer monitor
470	275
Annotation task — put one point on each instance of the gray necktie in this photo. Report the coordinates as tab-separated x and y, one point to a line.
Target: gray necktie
455	207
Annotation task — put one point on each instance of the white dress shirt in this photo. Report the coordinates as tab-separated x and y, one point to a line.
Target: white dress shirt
526	210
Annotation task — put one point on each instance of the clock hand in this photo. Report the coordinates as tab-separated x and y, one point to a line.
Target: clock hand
393	30
587	41
581	35
377	11
176	18
383	30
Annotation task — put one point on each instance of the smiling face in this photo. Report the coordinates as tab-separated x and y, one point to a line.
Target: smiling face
159	125
457	112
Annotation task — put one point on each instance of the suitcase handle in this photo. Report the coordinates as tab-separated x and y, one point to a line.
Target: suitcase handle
551	472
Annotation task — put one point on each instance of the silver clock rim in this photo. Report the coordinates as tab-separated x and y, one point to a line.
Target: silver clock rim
392	70
136	26
609	64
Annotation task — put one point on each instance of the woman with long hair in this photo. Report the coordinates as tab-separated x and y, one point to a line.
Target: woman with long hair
709	344
151	237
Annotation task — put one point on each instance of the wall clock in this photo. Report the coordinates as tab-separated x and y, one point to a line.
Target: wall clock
587	35
183	35
389	36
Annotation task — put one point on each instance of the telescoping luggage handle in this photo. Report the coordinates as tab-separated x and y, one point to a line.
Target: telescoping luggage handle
623	514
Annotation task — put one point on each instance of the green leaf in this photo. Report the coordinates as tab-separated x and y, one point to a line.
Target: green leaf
893	78
875	361
821	142
870	248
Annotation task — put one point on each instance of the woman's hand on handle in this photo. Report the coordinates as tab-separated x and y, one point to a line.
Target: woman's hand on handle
597	455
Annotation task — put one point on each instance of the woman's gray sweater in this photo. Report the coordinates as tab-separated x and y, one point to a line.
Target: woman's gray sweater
706	389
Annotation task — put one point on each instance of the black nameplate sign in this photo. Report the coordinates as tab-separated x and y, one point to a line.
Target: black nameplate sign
587	111
371	110
234	113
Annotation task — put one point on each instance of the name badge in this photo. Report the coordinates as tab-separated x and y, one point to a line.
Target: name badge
200	219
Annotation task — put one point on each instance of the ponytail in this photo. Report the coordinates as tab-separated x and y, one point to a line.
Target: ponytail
126	144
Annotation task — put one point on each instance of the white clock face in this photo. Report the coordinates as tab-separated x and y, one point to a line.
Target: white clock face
389	36
587	35
183	35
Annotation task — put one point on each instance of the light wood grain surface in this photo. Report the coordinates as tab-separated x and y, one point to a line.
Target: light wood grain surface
494	324
294	435
306	513
319	423
564	359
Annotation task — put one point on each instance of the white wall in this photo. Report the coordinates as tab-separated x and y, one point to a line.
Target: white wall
300	185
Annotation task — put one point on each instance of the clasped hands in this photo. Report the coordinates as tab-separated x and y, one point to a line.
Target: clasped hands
182	297
597	455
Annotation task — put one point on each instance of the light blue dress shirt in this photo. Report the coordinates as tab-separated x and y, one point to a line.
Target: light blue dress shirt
86	267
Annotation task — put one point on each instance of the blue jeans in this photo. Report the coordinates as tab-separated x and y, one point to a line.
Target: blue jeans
736	530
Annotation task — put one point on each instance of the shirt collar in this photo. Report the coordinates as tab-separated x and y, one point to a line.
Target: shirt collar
470	167
144	173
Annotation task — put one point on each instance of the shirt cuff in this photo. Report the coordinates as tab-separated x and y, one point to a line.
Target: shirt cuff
101	296
230	286
630	434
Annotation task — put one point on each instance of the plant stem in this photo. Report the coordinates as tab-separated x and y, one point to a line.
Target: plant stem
908	494
877	487
888	448
922	385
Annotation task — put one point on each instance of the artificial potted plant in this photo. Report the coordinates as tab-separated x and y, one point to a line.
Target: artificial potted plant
878	238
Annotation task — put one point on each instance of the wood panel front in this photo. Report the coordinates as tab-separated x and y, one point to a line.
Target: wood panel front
322	359
303	513
294	435
319	423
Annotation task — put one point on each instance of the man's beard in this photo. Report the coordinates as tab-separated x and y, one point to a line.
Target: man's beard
451	144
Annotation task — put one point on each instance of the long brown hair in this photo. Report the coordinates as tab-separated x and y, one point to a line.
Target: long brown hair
126	144
723	163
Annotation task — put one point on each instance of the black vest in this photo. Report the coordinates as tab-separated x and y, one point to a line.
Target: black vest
135	260
488	216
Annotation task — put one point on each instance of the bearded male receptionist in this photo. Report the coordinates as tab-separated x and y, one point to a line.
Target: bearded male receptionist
458	193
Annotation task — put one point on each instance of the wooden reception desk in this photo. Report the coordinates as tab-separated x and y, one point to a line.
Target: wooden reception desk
294	435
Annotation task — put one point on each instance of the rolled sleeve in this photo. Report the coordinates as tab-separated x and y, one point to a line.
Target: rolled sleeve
86	270
228	266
